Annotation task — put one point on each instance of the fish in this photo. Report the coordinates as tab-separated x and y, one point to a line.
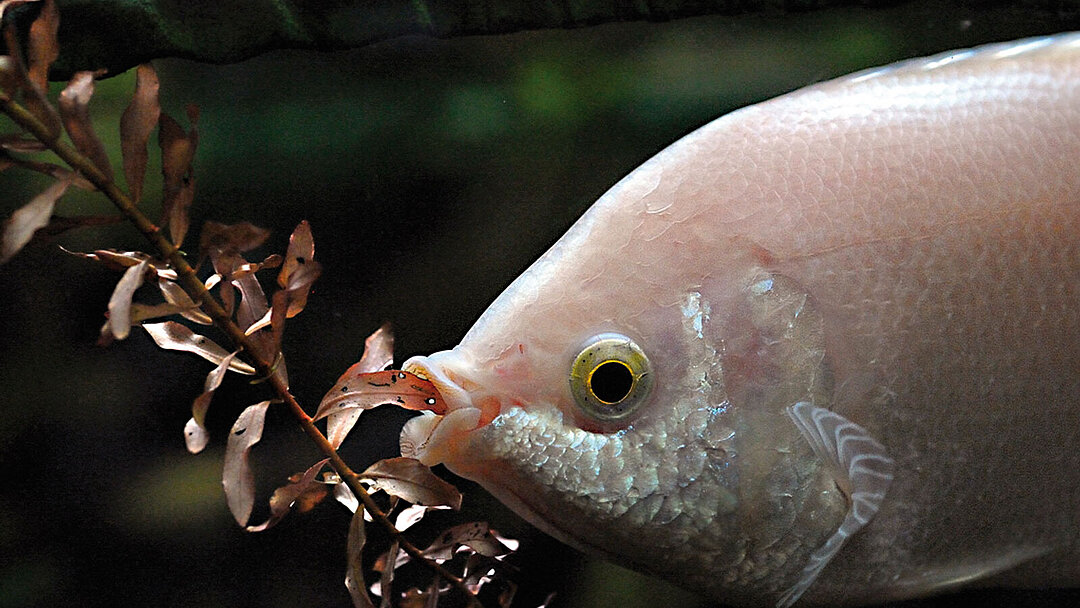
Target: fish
824	349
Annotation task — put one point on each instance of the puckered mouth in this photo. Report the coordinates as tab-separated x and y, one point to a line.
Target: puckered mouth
432	438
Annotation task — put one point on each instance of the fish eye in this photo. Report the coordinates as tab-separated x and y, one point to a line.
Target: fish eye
610	377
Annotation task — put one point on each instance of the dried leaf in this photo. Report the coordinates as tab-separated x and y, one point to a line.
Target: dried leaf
383	560
120	302
9	79
411	515
506	598
433	593
354	575
57	172
283	498
171	335
177	157
18	143
6	4
262	323
475	535
252	301
300	282
111	258
20	227
412	481
195	433
387	578
251	308
479	570
136	124
231	238
415	598
139	313
344	495
74	105
301	251
175	295
43	48
355	389
378	355
58	225
237	478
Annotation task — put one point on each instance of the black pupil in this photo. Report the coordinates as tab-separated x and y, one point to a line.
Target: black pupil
611	381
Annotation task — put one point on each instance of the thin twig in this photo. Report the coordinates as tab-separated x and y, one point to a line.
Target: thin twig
197	291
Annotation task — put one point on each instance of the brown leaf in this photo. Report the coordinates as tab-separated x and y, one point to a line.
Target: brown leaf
195	433
506	598
171	335
378	355
475	535
354	575
299	286
136	124
479	570
412	481
55	171
237	478
383	561
111	258
231	238
344	495
18	143
6	4
58	225
27	219
177	158
251	309
9	74
175	295
364	390
386	579
42	49
410	516
74	105
301	251
283	498
290	301
120	302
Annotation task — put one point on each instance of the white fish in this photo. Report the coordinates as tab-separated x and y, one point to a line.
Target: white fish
825	347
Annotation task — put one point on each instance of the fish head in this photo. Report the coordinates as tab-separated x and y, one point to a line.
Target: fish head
623	397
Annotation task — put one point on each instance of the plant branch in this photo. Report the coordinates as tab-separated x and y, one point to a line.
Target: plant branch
197	291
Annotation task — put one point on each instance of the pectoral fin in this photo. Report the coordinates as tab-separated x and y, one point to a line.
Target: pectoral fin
862	469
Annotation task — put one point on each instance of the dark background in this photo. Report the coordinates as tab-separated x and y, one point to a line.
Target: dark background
432	172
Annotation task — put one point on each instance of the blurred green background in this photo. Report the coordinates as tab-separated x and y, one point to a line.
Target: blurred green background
432	172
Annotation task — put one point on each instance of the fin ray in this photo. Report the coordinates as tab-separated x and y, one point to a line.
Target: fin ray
862	468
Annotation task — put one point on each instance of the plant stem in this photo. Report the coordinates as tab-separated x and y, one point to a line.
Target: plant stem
197	291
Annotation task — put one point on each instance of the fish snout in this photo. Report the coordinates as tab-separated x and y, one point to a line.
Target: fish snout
434	439
439	369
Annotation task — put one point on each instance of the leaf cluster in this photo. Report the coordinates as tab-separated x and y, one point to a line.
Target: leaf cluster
222	288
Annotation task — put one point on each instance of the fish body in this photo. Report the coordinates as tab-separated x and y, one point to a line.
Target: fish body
856	310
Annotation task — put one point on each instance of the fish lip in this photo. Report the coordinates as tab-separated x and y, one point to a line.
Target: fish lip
442	438
438	368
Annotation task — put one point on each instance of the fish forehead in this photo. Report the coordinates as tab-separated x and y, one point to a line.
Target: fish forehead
902	153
